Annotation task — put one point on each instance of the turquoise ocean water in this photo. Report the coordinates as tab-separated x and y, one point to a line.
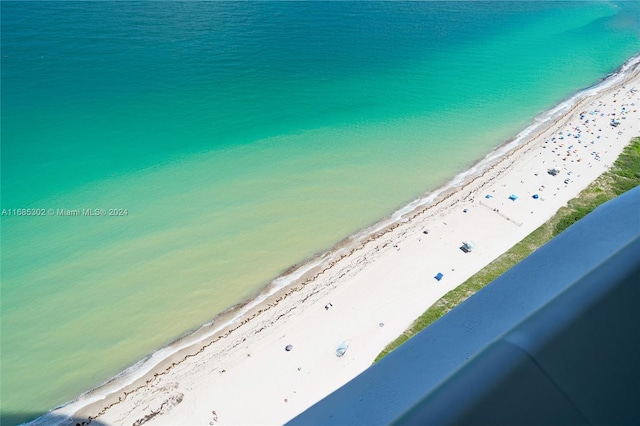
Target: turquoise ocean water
238	139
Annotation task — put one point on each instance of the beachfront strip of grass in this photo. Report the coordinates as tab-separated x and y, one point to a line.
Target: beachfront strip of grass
623	176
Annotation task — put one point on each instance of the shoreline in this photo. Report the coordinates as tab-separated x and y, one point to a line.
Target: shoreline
332	272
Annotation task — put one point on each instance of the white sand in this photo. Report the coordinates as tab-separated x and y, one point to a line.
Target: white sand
247	377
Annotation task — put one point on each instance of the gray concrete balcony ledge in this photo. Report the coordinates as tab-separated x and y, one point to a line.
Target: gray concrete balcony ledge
555	340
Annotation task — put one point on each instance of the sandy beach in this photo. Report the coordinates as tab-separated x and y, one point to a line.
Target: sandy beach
373	286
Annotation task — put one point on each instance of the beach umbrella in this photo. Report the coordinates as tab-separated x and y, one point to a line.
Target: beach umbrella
513	197
535	196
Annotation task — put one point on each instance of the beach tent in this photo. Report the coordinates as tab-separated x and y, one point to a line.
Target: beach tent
487	196
288	348
342	348
468	246
439	276
535	196
513	197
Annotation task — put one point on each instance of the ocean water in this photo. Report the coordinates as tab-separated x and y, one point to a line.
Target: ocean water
235	139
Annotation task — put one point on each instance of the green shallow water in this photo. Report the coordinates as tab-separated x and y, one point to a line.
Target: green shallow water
241	138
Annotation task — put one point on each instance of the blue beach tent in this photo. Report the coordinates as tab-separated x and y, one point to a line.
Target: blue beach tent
439	276
342	348
535	196
513	197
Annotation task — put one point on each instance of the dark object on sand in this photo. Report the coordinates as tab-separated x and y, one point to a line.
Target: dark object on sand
439	276
288	348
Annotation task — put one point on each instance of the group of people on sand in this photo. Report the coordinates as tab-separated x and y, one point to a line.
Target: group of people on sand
215	417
